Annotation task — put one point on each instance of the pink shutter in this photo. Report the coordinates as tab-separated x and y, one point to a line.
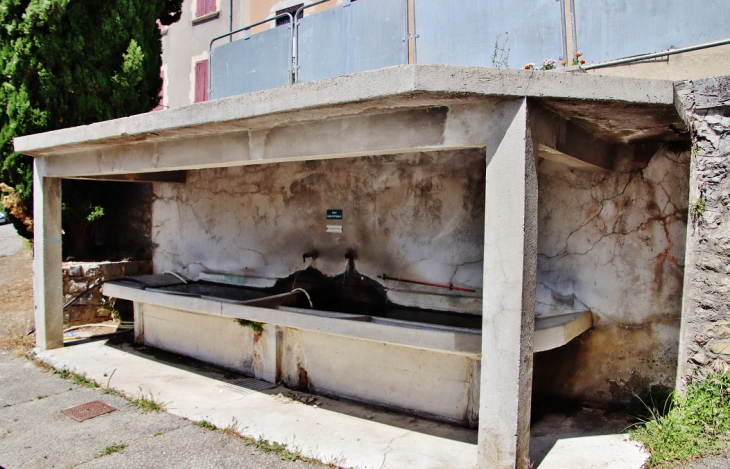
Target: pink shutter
201	81
204	7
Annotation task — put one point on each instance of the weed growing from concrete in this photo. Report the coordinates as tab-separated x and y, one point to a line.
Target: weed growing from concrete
111	449
699	207
285	452
696	424
43	396
257	327
76	378
205	424
147	404
113	392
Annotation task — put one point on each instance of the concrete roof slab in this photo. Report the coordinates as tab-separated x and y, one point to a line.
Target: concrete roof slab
410	86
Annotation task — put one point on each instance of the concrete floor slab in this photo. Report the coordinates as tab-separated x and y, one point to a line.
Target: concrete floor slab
345	433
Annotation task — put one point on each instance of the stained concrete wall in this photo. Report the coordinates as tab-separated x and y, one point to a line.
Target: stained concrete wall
614	243
418	216
705	340
441	385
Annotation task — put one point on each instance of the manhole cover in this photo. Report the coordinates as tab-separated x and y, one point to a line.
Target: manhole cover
88	411
248	385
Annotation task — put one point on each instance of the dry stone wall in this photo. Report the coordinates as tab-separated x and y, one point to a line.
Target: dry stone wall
705	337
94	307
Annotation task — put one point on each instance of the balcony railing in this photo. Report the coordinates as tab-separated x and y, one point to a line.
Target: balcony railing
369	34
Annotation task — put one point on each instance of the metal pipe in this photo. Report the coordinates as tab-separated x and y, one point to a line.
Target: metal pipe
563	30
230	19
411	20
438	285
295	48
638	58
230	34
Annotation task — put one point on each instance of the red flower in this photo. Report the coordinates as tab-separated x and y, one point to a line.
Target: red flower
582	61
578	54
527	67
563	63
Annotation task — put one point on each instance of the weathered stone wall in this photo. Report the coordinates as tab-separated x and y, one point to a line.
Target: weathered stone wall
705	340
614	243
418	216
94	307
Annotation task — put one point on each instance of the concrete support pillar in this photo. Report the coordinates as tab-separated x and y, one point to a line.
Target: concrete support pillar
510	259
47	277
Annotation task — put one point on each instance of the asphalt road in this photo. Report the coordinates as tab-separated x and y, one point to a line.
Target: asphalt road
35	434
10	242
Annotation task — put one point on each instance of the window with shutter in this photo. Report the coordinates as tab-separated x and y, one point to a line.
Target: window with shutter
201	81
204	7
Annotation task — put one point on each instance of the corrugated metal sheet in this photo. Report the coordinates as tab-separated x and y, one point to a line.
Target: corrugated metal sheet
613	29
464	32
365	35
261	62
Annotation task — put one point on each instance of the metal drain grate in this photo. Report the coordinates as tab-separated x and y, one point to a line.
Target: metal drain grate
88	411
248	385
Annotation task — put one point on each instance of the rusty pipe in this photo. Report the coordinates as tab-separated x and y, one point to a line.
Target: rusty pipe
437	285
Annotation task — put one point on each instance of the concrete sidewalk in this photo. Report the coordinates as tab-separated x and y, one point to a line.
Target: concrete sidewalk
343	433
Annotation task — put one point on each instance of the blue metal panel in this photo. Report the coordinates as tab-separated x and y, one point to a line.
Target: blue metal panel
364	35
261	62
464	32
614	29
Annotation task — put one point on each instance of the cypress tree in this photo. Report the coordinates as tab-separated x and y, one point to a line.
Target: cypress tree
66	63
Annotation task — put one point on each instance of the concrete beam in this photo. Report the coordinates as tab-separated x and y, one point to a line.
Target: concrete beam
413	130
510	254
47	279
178	177
565	142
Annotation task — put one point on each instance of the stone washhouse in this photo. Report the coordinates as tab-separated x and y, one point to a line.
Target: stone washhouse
549	205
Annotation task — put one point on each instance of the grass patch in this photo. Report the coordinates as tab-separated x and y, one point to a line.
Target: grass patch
41	397
694	424
147	404
205	424
269	447
111	449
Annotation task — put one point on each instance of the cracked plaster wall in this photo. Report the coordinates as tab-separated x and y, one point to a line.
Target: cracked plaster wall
705	341
417	216
613	243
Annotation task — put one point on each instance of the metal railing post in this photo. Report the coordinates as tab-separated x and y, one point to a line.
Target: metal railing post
295	47
230	34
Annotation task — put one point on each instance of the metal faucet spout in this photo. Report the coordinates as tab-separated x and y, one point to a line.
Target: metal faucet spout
312	254
350	254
